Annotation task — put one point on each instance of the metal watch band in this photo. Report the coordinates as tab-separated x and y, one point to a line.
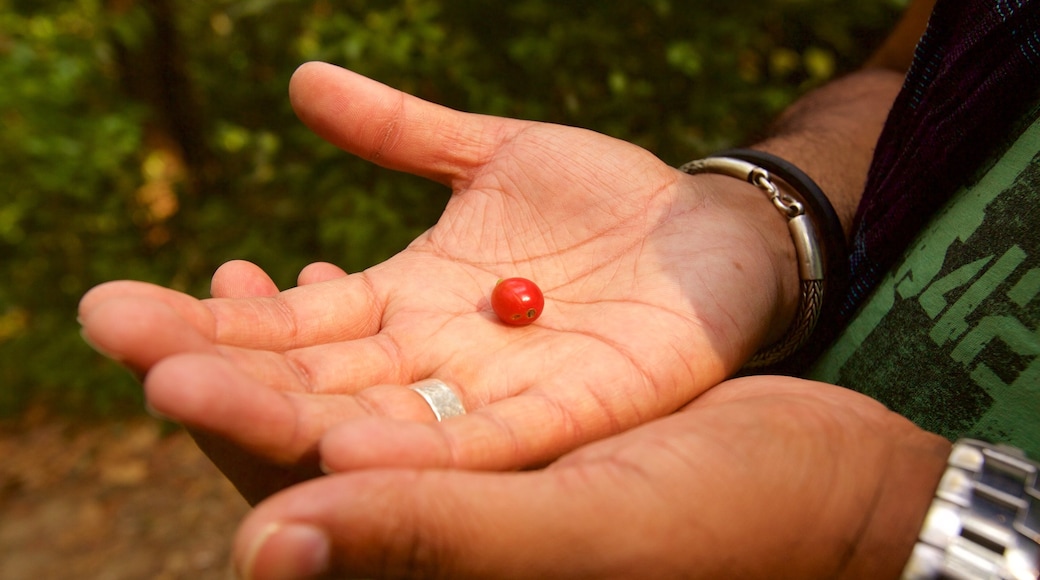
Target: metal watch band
985	519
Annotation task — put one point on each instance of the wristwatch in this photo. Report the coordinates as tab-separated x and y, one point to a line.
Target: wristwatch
985	519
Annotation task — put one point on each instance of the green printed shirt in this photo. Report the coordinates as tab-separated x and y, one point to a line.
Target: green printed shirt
950	337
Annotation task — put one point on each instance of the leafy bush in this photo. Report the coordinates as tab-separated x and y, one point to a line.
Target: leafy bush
154	140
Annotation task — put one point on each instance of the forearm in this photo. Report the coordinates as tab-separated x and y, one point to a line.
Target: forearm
830	134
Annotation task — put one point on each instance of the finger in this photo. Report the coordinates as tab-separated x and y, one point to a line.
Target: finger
211	394
188	308
513	433
451	524
340	309
337	310
241	279
391	128
512	421
140	331
319	272
338	368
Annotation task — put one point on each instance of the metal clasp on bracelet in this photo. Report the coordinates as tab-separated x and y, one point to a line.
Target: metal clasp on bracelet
787	205
807	251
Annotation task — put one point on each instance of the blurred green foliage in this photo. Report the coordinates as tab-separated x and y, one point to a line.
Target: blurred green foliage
153	139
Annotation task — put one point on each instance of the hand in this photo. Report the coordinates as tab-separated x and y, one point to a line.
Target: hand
768	477
657	284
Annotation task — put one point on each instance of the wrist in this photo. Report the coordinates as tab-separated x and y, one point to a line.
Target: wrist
905	491
813	228
766	263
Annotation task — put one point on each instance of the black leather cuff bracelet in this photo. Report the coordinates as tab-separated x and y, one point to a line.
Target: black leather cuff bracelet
817	206
821	264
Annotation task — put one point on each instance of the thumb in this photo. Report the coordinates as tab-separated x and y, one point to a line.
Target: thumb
451	524
394	129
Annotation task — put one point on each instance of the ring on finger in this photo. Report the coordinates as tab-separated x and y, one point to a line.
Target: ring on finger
440	397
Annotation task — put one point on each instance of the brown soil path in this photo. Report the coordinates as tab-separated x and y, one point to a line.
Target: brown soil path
112	501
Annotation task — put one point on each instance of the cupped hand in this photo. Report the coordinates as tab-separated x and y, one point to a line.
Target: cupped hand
657	284
761	477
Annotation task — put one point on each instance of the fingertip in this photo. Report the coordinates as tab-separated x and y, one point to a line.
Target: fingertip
319	272
464	523
300	78
176	387
120	302
89	301
304	67
386	126
93	344
139	331
310	79
286	550
208	393
114	289
308	71
247	546
241	279
205	391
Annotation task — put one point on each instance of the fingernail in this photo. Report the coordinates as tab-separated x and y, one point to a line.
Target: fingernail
148	408
287	551
90	343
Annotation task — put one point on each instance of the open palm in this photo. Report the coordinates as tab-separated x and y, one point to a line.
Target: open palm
657	286
761	477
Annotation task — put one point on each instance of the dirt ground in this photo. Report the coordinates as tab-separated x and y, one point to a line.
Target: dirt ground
131	499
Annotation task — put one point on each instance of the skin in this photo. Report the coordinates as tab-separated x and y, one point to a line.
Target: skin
648	273
762	477
660	285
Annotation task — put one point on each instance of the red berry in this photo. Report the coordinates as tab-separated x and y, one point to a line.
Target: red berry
517	301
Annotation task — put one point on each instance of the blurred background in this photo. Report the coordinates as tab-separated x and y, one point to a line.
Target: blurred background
153	140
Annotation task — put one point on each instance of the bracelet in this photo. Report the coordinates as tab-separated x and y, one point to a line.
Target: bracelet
985	519
816	263
817	205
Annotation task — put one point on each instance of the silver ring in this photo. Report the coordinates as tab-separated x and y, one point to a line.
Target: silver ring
444	402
